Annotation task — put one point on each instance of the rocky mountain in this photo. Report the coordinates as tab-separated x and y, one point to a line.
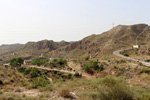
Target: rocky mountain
40	47
105	43
93	46
8	48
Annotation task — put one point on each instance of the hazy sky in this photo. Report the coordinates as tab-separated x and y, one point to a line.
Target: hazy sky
32	20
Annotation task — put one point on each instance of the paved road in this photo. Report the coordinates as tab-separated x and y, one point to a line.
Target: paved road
117	53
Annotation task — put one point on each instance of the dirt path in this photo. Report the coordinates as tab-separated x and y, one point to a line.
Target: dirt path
71	65
45	68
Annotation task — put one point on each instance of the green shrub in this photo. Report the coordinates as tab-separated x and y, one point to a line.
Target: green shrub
39	82
36	62
34	72
77	74
21	69
55	60
69	76
59	73
1	82
93	64
145	71
86	68
86	58
62	62
39	61
126	55
110	81
27	71
148	60
117	90
55	72
16	61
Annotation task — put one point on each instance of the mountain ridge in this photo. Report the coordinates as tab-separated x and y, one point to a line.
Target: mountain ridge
93	46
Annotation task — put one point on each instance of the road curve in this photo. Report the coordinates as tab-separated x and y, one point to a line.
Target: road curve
117	53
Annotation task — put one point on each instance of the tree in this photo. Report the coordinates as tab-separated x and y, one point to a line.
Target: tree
36	62
20	60
16	61
39	61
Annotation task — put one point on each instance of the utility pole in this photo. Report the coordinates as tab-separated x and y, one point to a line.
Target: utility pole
113	24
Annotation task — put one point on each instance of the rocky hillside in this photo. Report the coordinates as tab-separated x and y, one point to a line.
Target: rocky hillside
40	47
97	45
6	49
93	46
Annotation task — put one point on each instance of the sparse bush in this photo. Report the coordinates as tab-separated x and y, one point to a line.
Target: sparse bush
148	60
2	74
27	71
77	74
59	73
55	60
126	55
93	64
122	61
86	58
69	76
66	93
39	82
62	62
117	90
21	69
145	71
86	68
34	72
1	92
1	82
55	72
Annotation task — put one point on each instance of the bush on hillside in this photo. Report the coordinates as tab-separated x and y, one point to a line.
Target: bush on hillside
148	60
126	55
86	58
93	64
27	71
34	72
77	74
116	90
21	69
40	82
39	61
16	61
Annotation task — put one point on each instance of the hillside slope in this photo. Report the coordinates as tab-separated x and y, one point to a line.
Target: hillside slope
94	46
6	49
105	43
38	48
